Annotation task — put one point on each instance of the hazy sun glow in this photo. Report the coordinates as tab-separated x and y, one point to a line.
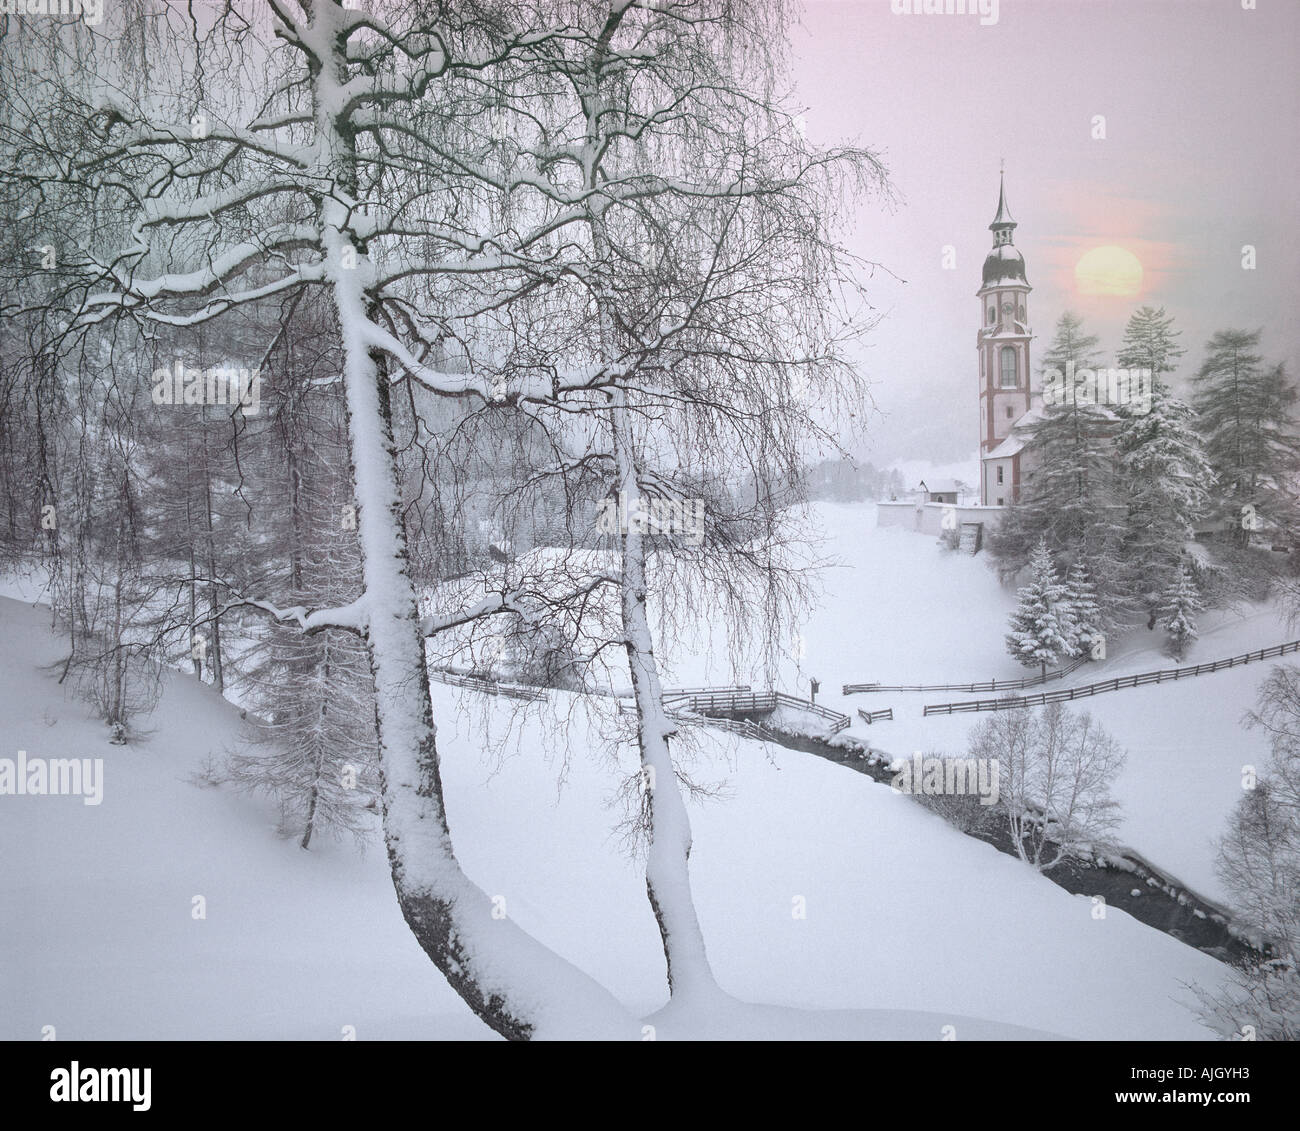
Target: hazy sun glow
1108	270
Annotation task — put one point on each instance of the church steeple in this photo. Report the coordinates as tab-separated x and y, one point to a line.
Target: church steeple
1003	341
1002	225
1004	265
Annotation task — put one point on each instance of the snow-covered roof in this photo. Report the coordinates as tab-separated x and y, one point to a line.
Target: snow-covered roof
1004	264
1019	435
1009	447
937	486
1036	412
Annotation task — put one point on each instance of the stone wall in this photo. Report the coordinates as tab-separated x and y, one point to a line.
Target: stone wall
927	518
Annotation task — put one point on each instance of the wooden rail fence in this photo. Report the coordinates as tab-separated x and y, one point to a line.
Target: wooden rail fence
986	685
741	703
490	686
733	702
688	692
1068	694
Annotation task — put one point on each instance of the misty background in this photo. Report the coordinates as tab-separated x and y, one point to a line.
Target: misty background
1199	159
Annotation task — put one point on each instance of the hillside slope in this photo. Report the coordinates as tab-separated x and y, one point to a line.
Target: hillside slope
896	609
909	925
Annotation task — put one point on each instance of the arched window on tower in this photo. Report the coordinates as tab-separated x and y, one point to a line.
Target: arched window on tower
1008	363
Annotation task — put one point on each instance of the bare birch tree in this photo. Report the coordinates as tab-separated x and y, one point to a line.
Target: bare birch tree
599	216
1055	770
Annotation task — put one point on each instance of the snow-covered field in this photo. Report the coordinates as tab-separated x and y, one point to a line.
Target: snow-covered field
909	925
899	610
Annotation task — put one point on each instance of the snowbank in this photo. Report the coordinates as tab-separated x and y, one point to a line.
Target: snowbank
817	888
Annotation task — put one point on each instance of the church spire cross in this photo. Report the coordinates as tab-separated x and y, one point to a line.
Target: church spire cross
1003	218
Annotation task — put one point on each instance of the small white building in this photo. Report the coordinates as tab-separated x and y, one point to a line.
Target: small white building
940	491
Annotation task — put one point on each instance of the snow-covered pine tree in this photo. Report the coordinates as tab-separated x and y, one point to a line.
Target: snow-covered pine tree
314	752
1041	624
1071	345
197	518
1150	342
1167	480
1071	495
1084	612
105	588
1246	415
1179	605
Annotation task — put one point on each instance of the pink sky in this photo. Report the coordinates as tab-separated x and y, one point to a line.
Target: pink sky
1202	156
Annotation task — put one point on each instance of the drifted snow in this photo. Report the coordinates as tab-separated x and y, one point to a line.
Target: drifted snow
899	610
910	925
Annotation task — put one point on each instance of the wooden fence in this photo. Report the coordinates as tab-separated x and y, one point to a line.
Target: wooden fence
876	716
1164	675
740	703
689	692
987	685
490	686
734	701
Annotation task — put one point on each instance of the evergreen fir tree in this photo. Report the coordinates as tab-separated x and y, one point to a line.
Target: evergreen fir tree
1041	622
1071	494
1071	345
315	749
1246	416
1167	479
1085	613
1179	608
1149	342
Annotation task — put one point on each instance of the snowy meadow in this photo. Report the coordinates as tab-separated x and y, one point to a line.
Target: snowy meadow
494	543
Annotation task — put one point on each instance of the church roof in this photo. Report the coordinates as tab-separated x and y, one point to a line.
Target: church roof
1003	218
940	486
1004	264
1009	447
1018	437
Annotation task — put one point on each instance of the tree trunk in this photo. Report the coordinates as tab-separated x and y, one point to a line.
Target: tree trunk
510	980
667	865
116	690
214	606
320	756
295	515
194	597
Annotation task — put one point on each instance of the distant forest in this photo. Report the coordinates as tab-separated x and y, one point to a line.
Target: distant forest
845	481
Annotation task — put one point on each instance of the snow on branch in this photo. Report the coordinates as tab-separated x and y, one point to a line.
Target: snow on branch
352	617
527	604
438	380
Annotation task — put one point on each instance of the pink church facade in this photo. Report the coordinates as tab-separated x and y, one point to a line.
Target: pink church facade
1006	392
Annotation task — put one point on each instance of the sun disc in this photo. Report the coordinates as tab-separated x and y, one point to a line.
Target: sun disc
1108	270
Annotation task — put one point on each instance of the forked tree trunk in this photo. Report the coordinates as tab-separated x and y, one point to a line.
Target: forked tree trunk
508	978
